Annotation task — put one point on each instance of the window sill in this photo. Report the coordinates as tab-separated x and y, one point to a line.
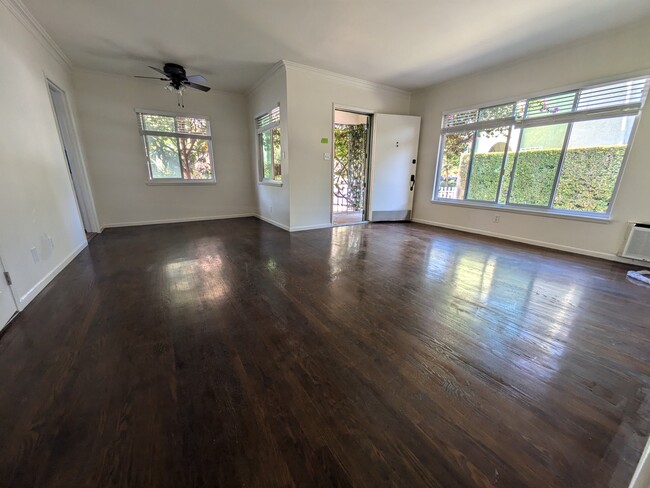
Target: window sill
180	182
594	218
270	183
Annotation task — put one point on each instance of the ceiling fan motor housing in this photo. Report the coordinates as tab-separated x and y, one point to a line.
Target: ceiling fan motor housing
176	74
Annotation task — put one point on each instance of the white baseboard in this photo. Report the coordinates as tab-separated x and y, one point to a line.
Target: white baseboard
534	242
38	287
310	227
293	229
272	222
176	221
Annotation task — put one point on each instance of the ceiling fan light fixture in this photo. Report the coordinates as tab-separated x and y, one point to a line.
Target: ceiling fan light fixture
179	93
178	80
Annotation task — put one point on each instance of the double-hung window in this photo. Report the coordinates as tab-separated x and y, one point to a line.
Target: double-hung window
178	147
269	148
561	153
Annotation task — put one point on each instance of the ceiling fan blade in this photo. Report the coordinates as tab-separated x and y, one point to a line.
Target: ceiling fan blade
151	77
159	71
197	86
196	79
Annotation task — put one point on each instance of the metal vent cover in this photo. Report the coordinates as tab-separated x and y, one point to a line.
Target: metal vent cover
637	245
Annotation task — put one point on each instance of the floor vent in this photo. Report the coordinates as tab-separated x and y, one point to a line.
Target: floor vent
637	245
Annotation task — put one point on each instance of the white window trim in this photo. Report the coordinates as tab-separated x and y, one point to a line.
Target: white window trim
150	180
608	112
260	163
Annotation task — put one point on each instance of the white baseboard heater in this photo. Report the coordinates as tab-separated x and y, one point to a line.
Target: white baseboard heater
637	244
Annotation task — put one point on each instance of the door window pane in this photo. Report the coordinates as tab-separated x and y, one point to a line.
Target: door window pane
592	163
537	163
487	162
455	165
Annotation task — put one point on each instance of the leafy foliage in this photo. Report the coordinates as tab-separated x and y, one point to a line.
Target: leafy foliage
586	183
588	178
457	145
271	154
496	112
350	142
177	157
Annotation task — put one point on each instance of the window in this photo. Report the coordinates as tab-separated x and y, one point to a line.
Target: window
178	148
269	148
559	153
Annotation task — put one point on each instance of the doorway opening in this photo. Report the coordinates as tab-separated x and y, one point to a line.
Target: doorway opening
350	167
73	160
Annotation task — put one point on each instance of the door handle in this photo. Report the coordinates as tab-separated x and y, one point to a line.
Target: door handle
412	182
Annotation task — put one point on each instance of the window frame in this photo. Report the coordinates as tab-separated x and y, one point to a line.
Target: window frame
521	123
151	180
259	130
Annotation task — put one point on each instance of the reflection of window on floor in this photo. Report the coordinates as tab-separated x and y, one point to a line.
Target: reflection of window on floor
561	153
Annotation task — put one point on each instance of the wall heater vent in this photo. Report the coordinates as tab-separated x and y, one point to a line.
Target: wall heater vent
637	245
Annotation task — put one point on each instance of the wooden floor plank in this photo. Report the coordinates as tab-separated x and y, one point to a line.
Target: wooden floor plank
231	353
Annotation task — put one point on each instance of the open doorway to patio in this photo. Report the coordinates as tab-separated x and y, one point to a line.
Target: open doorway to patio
350	166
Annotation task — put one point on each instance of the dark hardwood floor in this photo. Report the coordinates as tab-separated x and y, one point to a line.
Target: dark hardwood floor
231	353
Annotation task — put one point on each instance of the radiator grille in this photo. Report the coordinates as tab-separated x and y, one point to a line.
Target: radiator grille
637	245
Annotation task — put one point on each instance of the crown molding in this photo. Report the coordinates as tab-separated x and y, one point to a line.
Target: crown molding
264	77
22	13
349	80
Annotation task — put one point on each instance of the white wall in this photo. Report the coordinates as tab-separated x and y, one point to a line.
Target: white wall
36	196
116	161
272	200
609	55
312	94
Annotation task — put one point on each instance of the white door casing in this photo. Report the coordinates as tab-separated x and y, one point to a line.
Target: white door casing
73	157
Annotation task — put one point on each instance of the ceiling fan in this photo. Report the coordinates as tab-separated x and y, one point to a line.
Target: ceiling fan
178	80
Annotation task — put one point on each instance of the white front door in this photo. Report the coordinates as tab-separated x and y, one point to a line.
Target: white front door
7	304
395	140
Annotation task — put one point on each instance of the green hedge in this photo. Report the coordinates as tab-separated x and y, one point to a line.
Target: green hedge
586	184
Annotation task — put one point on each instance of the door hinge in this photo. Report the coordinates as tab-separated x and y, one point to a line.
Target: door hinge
7	277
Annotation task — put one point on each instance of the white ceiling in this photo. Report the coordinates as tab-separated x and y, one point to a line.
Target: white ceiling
407	44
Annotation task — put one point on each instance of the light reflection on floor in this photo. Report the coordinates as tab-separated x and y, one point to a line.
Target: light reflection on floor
188	277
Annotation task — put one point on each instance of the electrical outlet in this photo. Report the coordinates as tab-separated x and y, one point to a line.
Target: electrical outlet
497	219
34	252
326	156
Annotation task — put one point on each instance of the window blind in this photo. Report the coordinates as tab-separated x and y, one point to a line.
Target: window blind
177	125
268	120
610	98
